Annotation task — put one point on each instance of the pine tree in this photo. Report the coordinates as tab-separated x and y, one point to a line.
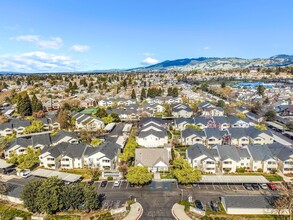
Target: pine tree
133	95
143	94
24	106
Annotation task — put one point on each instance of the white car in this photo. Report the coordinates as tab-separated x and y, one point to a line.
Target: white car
116	183
263	186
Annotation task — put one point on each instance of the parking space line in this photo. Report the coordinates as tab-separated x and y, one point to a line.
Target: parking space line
113	186
221	187
106	185
198	186
120	184
99	185
127	183
177	185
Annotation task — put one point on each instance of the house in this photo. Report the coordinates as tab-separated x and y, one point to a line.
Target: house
13	126
87	103
191	136
152	135
214	136
86	122
238	136
260	136
284	155
64	136
232	157
202	122
199	156
182	110
212	111
262	158
254	117
104	157
64	156
180	123
236	122
18	145
221	122
155	159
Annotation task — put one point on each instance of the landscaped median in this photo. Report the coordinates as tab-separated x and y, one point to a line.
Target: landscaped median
178	211
135	212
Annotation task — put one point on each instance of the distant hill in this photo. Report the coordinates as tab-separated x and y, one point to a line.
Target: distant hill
216	63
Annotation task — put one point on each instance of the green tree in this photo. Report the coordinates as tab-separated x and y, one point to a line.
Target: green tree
101	113
49	196
143	94
6	139
36	104
129	149
72	196
221	103
133	95
63	117
108	119
260	90
27	160
96	142
195	127
94	173
138	175
184	173
36	126
24	106
115	117
29	193
91	201
271	115
223	84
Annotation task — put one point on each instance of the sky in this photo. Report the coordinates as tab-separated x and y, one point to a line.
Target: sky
83	35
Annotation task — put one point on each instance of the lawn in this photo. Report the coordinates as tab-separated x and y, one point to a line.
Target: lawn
84	172
8	213
63	217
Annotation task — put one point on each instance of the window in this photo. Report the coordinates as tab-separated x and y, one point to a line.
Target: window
106	161
228	162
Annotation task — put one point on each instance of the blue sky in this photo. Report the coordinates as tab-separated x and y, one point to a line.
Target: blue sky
68	35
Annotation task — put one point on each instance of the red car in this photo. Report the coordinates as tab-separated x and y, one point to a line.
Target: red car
272	186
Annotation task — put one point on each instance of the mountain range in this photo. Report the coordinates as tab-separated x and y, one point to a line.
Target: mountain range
216	63
202	63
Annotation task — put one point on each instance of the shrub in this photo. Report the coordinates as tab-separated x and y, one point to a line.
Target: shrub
260	170
240	170
186	205
110	178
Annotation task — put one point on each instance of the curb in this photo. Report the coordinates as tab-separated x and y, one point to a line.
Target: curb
140	212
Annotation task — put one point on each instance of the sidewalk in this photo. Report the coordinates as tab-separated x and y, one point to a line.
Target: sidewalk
286	178
179	213
135	213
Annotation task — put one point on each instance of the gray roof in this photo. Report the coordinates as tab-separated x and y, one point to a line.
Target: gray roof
43	139
22	142
220	119
6	125
201	120
197	150
62	134
281	151
159	134
260	152
233	119
214	132
184	120
109	149
190	131
249	201
68	177
238	132
150	157
228	152
75	150
16	123
232	179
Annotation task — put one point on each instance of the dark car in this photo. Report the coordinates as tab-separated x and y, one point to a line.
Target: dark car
255	186
104	183
248	186
214	206
198	204
9	171
91	182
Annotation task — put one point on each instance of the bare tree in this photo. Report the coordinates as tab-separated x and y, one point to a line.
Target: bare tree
284	204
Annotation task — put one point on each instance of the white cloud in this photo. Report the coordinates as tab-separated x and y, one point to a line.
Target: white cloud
37	61
207	48
80	48
149	61
53	43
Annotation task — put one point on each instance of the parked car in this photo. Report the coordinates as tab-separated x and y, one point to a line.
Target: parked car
255	186
248	186
272	186
263	186
9	171
215	206
116	183
104	183
198	204
91	182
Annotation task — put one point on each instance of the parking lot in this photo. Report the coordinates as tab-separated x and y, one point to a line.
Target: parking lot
124	185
